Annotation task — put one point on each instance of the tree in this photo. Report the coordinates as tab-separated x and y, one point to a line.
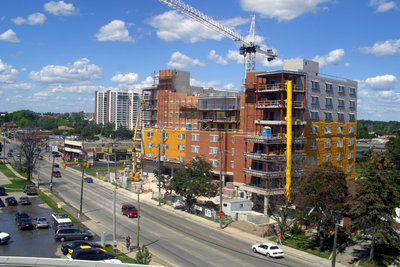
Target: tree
193	181
376	200
30	150
325	191
143	256
393	151
108	129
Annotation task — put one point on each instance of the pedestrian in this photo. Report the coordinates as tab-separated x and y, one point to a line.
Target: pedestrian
128	242
280	238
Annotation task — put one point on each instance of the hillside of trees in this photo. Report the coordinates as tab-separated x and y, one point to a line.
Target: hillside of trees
367	129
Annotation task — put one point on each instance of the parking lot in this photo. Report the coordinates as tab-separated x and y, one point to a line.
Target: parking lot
28	243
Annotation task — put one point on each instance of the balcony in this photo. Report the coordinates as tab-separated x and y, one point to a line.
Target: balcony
262	87
275	139
262	191
295	122
265	157
279	104
263	174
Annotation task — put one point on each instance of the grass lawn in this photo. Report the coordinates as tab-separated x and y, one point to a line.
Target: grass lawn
377	262
121	256
17	184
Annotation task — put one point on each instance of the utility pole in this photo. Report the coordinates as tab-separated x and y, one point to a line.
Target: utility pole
159	165
138	189
220	187
114	207
83	173
51	179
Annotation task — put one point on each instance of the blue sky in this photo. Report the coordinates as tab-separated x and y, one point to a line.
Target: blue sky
55	54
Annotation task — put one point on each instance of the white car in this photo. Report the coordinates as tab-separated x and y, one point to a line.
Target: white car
4	238
268	249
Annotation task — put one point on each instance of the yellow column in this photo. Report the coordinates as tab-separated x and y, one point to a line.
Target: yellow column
289	140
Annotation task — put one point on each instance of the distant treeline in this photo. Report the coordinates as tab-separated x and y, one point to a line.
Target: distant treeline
370	129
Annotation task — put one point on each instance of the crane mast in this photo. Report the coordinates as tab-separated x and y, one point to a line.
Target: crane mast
248	49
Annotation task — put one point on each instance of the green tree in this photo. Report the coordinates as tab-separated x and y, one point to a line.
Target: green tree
108	129
325	191
376	201
193	181
30	150
393	151
143	256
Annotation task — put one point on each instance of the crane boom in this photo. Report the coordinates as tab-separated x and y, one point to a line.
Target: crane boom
247	49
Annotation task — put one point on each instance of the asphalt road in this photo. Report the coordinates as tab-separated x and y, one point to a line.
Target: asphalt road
178	241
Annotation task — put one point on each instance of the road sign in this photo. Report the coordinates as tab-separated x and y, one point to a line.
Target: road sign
221	214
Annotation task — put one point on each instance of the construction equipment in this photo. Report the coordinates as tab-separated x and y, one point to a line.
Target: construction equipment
248	49
135	175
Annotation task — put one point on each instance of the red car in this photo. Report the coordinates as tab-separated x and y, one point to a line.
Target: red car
129	210
56	174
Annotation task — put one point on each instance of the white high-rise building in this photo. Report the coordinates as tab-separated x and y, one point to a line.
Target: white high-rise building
119	107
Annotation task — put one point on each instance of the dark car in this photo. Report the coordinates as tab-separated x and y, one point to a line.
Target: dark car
9	154
56	173
56	165
19	215
88	180
2	191
24	201
30	190
93	254
2	203
129	210
71	233
11	201
69	247
25	224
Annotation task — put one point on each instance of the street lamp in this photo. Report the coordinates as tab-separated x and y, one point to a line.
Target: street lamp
83	173
51	179
114	203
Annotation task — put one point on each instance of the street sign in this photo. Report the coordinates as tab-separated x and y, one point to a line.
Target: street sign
221	214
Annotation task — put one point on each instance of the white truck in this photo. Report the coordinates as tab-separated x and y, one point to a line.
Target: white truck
4	238
61	219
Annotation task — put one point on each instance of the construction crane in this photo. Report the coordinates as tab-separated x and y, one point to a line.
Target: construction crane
248	49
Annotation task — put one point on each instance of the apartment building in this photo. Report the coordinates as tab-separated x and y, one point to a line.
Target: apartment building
119	107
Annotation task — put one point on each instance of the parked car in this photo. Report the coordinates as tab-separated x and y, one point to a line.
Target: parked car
60	218
56	173
71	233
24	201
4	238
30	190
88	180
93	254
18	154
63	224
11	201
2	191
56	165
2	203
129	210
268	249
70	246
40	222
21	214
25	223
9	154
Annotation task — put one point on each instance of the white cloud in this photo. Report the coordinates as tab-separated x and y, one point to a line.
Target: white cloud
383	48
380	105
382	5
114	31
209	84
18	86
217	58
181	61
7	73
36	18
383	82
79	72
334	57
60	8
9	36
172	26
283	10
230	86
129	78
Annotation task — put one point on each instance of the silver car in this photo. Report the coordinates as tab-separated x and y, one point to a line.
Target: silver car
40	222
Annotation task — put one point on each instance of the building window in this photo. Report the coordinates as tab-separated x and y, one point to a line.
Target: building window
177	114
180	158
213	150
313	145
341	89
341	103
352	104
351	141
327	158
340	129
328	129
339	157
214	138
181	136
181	147
165	114
165	146
150	134
313	159
352	91
351	129
350	156
350	168
195	115
340	117
195	137
150	144
329	87
340	143
328	102
195	149
233	139
352	117
327	143
328	116
314	129
232	164
314	100
149	155
165	135
165	157
314	115
315	85
214	162
233	151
